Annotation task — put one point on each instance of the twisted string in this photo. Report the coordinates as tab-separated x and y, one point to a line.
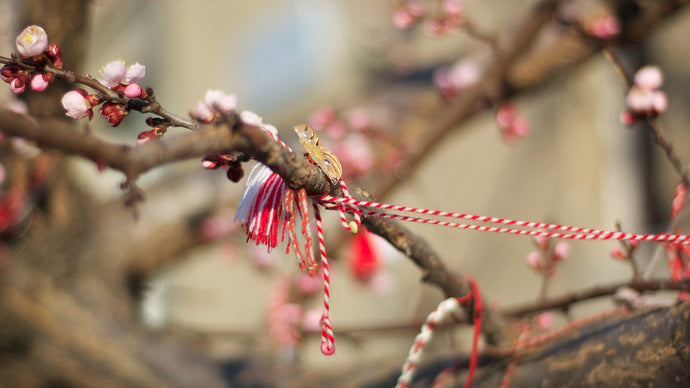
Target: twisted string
552	230
327	337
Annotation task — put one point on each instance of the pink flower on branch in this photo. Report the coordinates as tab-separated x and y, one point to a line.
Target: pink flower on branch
78	104
32	41
644	97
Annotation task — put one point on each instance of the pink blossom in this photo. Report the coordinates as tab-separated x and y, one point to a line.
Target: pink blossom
544	321
133	90
311	321
75	104
336	129
135	73
618	253
510	124
322	117
649	77
114	73
221	102
32	41
204	113
39	82
359	119
606	27
403	19
452	7
355	154
308	285
646	101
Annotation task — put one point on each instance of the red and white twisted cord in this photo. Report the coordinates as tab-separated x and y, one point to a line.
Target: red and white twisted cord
551	230
448	308
327	337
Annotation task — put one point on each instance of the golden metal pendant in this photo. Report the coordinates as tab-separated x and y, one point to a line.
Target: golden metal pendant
326	160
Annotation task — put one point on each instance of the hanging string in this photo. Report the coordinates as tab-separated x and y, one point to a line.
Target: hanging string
327	336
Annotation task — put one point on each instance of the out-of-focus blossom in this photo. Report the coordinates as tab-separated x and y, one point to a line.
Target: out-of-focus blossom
510	124
452	81
644	97
251	118
359	119
604	28
218	100
355	155
308	285
322	117
534	261
544	321
32	41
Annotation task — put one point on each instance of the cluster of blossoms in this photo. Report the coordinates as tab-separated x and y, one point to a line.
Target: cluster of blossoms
511	125
446	19
32	43
547	256
79	104
644	97
353	149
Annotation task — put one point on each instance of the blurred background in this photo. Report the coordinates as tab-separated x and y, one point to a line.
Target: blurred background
301	60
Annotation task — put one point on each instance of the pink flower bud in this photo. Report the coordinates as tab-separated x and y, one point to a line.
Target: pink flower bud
114	73
54	54
628	118
135	73
75	104
649	77
534	261
39	83
561	251
32	41
618	253
18	85
544	321
133	90
403	19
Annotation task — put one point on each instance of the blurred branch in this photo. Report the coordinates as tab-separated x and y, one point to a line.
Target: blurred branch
521	64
